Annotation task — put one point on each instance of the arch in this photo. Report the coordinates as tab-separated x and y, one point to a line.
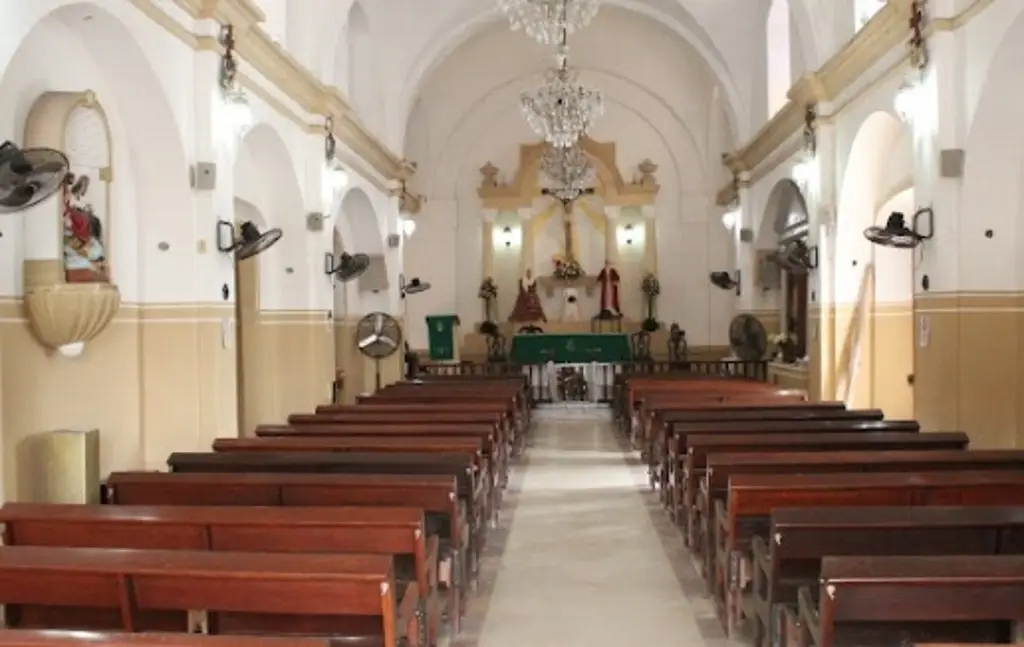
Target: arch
436	50
359	216
784	211
780	68
360	70
994	163
874	333
264	176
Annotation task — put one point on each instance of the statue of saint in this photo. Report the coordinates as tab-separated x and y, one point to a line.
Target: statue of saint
527	307
609	280
85	260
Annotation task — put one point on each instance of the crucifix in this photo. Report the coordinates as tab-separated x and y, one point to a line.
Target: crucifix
567	215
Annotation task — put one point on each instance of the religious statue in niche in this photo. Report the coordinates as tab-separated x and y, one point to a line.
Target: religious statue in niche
527	307
85	259
608	278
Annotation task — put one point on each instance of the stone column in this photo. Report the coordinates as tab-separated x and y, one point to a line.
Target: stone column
650	238
487	241
612	214
526	227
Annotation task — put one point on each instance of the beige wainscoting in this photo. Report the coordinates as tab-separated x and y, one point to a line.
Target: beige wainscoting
969	366
160	378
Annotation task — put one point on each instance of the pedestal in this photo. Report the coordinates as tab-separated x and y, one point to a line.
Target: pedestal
443	336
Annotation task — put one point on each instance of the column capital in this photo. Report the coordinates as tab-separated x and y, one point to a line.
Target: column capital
525	213
612	211
489	215
648	211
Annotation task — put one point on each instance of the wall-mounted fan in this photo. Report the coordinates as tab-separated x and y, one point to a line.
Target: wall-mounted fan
249	242
348	266
412	286
725	281
378	336
748	338
29	176
795	256
896	232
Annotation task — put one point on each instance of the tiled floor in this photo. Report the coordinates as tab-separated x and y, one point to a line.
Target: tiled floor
584	554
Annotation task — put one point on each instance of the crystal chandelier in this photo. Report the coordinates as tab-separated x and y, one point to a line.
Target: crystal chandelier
570	170
547	20
561	110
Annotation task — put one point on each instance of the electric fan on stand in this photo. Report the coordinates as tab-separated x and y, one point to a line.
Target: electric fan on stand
378	336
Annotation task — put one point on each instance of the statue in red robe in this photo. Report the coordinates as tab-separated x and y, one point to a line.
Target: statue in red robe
608	278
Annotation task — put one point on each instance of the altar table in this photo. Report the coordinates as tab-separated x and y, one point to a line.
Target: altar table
576	348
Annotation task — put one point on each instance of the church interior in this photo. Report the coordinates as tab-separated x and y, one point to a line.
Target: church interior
480	323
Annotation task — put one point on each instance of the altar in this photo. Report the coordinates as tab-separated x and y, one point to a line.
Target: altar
576	348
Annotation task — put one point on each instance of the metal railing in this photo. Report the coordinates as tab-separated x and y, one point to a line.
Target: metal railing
601	377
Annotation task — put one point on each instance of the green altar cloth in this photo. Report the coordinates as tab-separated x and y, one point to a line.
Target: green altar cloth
569	348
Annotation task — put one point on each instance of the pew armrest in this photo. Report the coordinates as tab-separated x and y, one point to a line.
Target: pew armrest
807	613
433	558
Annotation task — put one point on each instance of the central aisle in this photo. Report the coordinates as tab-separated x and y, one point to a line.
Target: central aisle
584	563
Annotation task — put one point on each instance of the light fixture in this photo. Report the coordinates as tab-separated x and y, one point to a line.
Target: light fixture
547	20
569	170
408	226
509	236
562	110
237	111
908	97
730	218
507	231
71	350
804	170
630	234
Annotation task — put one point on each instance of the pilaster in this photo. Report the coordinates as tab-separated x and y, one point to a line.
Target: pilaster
650	238
525	218
821	198
612	215
487	218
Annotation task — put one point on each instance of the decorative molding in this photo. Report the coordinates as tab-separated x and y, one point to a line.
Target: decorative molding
269	59
525	187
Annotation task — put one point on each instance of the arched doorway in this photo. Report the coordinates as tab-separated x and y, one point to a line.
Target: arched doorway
785	223
874	293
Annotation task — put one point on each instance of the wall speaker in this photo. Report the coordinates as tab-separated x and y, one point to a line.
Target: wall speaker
315	221
203	176
394	241
951	163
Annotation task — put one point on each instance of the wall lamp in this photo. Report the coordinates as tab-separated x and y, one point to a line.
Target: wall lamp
237	110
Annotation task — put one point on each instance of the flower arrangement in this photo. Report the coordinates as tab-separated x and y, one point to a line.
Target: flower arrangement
650	286
488	289
569	270
785	347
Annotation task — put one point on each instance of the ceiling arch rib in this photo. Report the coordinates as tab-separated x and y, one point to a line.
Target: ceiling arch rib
450	34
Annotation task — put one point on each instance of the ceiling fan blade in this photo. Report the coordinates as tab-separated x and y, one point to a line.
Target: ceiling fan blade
369	341
378	324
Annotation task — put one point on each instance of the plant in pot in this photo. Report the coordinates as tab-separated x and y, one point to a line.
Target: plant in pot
488	293
651	288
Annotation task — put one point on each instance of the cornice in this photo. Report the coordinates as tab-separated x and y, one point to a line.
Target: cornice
269	59
887	29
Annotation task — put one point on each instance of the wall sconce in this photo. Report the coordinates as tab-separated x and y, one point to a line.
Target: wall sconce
629	235
408	226
804	171
908	97
237	111
730	218
510	236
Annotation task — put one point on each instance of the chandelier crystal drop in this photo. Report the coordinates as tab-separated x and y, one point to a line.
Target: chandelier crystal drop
561	110
569	170
547	21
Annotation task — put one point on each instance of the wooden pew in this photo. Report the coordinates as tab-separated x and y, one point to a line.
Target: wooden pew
801	537
678	481
700	446
346	596
752	497
436	495
493	445
472	447
396	401
896	599
399	533
41	638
